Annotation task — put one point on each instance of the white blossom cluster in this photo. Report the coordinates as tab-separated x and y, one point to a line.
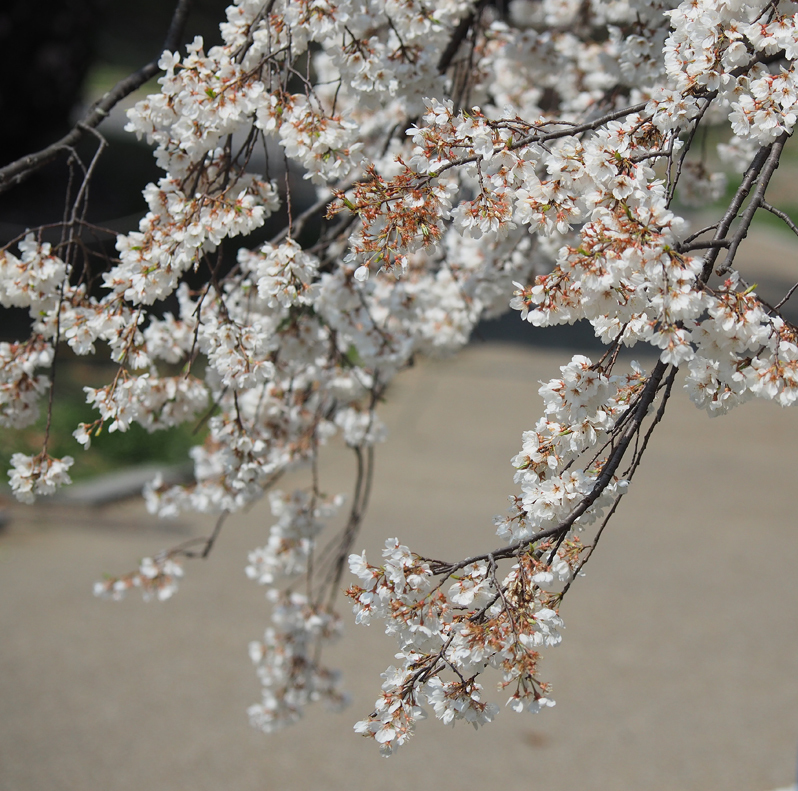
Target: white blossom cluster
292	537
470	157
34	279
711	42
156	578
287	658
38	475
744	352
21	387
478	622
481	621
31	281
581	409
290	674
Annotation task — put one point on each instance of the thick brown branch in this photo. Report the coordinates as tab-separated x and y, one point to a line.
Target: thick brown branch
730	215
768	169
458	37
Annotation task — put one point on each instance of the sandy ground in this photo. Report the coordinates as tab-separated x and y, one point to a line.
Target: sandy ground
678	668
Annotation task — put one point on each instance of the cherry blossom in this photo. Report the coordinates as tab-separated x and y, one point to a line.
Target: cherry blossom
459	159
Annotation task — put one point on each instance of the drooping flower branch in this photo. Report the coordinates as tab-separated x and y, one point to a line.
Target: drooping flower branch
467	157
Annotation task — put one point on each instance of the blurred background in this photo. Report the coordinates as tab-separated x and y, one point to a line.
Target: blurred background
678	668
63	55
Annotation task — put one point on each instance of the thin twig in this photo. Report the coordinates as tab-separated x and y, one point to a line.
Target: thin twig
780	214
694	236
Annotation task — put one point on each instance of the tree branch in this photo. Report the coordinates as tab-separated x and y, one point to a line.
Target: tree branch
458	36
730	215
768	169
613	462
783	216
